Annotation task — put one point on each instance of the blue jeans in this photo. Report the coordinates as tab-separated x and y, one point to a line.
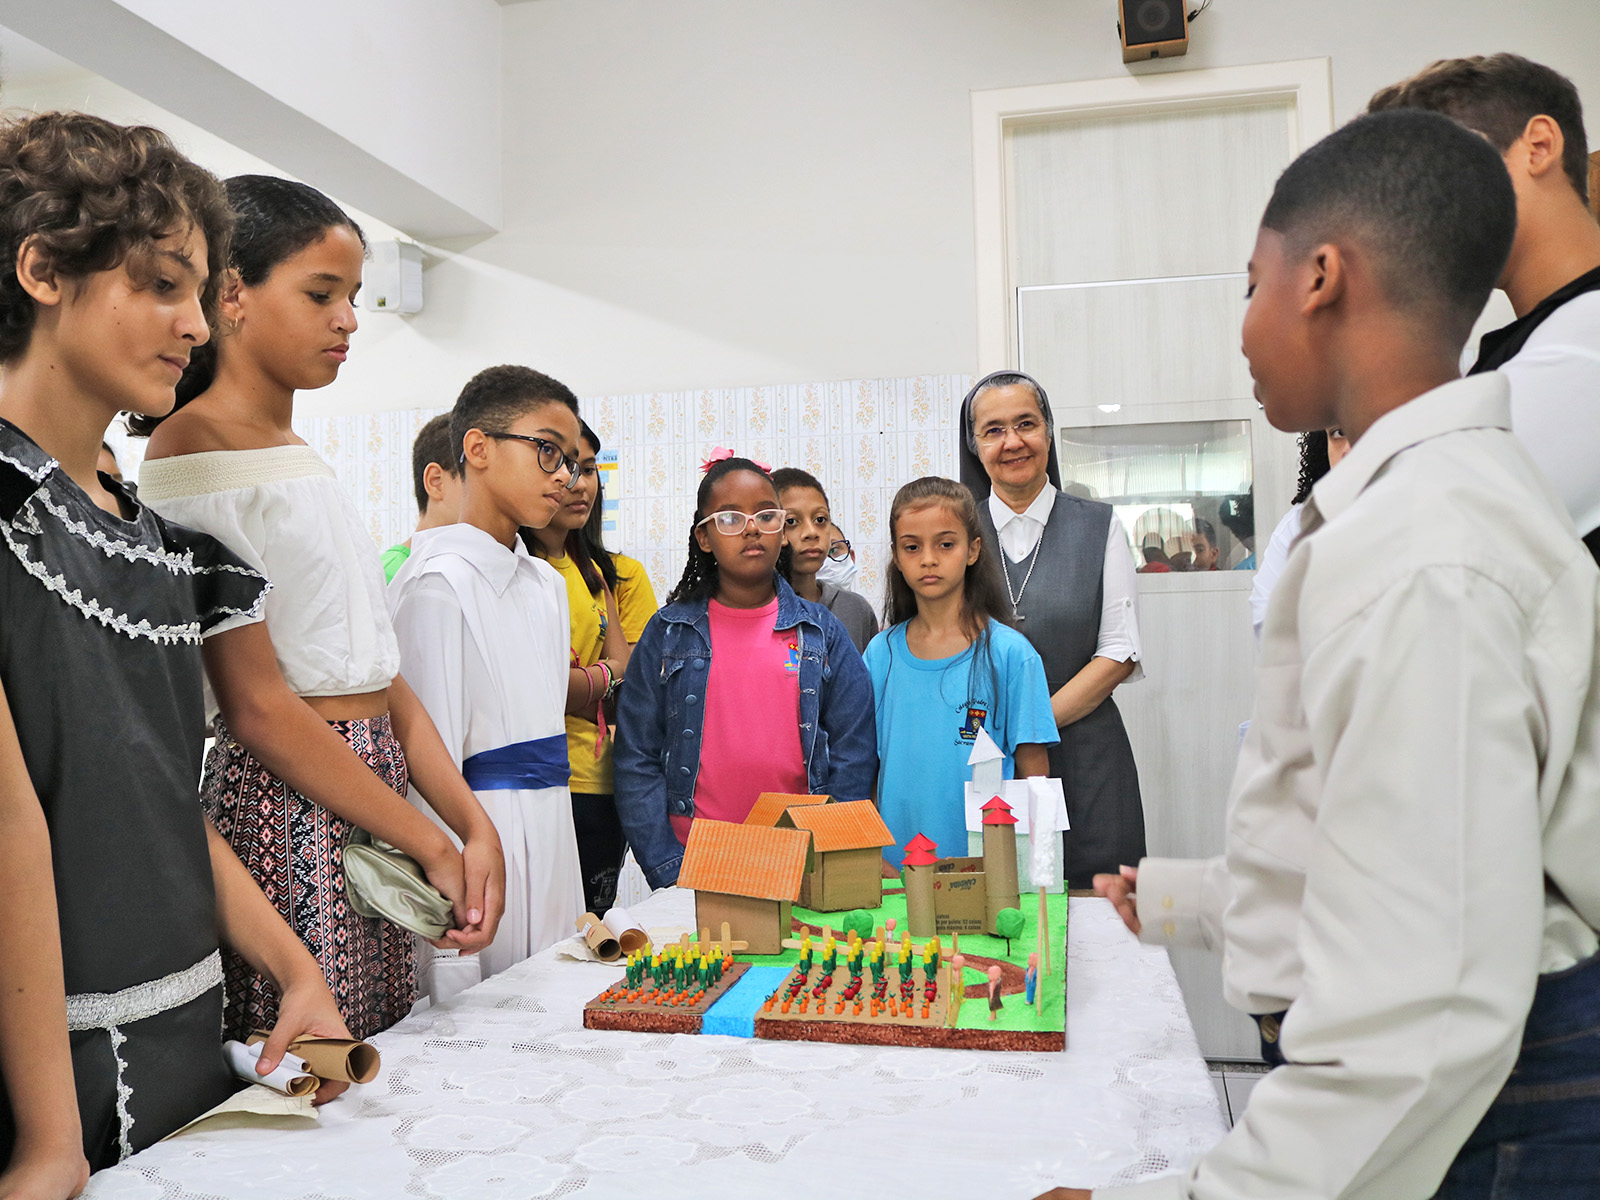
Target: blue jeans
1541	1136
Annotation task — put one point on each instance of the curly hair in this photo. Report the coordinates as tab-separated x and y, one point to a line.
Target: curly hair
94	196
274	220
700	579
1313	463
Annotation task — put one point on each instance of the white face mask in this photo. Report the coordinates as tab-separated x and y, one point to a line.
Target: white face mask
840	572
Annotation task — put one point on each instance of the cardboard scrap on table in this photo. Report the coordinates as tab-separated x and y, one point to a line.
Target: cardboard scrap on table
256	1107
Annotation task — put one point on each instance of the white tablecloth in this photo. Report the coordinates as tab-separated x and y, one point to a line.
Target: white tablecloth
502	1094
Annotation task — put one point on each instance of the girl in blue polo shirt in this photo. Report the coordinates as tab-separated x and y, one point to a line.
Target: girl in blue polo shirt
946	665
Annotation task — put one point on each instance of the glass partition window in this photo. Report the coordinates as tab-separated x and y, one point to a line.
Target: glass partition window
1182	490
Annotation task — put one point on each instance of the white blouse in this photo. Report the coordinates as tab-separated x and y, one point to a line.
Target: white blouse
281	509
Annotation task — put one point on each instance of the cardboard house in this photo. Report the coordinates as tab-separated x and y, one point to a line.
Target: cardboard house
746	875
847	842
770	806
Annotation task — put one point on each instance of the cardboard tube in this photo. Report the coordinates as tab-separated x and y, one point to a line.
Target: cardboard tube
339	1059
598	937
242	1062
629	933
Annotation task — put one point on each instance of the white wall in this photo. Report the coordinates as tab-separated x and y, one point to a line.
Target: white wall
795	182
711	193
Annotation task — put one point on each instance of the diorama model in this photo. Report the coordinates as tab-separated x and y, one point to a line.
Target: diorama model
897	968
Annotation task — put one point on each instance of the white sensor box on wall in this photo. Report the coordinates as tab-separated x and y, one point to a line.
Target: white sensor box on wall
392	278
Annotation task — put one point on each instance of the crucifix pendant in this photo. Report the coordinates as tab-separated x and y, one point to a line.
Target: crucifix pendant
1021	617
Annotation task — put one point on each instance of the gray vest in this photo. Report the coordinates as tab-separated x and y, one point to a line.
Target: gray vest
1059	614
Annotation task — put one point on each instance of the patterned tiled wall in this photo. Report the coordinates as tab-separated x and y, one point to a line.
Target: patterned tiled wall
862	438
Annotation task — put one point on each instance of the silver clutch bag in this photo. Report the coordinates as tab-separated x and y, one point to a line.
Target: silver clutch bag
384	882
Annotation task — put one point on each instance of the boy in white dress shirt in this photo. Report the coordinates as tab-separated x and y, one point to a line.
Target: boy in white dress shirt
1410	873
484	640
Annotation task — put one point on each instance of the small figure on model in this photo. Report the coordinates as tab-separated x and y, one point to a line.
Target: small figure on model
994	992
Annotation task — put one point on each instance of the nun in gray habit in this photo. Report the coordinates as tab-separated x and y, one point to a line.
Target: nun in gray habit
1071	579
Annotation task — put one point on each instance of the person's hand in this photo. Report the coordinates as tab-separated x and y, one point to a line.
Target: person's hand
306	1010
45	1172
484	869
1071	1193
1120	890
446	870
890	871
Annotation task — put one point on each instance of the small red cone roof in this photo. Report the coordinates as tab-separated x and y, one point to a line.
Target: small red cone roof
920	852
998	812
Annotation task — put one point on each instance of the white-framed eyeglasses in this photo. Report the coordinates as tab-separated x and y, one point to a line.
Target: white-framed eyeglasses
732	524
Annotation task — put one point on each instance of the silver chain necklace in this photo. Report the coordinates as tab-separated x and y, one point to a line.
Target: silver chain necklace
1033	561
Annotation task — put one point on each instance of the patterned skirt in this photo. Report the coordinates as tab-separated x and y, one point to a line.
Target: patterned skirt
294	848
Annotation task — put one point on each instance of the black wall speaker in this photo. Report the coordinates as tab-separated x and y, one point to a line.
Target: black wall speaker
1153	29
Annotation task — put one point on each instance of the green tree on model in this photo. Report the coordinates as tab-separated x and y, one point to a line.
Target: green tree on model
1008	924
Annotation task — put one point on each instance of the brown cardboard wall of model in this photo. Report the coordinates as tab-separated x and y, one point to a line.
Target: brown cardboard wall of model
763	924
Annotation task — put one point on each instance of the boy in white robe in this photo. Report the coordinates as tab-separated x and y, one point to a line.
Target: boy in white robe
483	631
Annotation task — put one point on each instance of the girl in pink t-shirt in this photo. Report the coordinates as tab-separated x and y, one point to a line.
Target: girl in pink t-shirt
739	686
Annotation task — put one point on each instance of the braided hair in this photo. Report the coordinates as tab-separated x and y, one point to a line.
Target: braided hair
700	579
1313	463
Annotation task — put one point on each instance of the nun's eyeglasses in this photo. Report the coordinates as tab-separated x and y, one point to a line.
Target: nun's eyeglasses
1022	427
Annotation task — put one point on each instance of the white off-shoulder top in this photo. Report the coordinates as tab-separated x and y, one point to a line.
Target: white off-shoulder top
282	510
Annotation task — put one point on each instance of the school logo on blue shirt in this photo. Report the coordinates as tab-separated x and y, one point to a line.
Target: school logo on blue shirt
975	718
792	664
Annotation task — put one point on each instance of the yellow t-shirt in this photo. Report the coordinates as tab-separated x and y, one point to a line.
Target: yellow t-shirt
636	604
636	599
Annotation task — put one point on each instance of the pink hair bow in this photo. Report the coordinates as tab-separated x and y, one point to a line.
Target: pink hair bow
722	454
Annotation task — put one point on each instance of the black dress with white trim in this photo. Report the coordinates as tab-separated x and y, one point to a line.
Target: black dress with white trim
101	621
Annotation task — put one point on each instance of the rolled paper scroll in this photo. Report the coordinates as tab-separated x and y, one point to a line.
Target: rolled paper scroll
289	1077
598	937
339	1059
629	933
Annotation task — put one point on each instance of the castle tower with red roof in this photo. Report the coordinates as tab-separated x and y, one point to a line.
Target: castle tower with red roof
999	861
918	865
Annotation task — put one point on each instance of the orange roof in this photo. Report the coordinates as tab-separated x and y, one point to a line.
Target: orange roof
744	860
853	825
769	806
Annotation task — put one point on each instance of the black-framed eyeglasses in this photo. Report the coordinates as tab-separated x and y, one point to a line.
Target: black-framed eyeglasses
551	457
839	551
732	524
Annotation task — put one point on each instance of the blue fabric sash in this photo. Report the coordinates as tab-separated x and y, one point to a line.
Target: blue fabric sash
540	763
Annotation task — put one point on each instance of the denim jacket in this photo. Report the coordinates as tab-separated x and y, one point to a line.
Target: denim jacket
661	713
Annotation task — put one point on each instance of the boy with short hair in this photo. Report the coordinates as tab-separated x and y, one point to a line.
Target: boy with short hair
484	643
436	478
1551	352
1415	816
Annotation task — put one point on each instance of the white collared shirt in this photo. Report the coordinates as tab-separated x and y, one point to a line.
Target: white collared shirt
1019	533
1415	817
484	639
1555	386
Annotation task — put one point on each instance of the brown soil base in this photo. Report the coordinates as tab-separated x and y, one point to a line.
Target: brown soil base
885	1034
631	1017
